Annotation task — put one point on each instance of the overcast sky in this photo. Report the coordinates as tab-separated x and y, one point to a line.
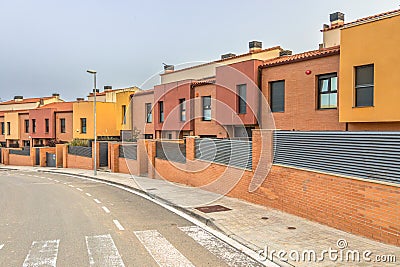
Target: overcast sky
46	46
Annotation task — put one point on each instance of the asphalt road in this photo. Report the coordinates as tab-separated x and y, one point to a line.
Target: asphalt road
57	220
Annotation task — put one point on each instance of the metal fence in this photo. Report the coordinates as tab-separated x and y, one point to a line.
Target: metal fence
236	153
82	151
370	155
128	151
23	152
171	151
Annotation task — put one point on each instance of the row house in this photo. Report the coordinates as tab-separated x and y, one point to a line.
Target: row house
342	86
14	117
210	99
142	114
113	112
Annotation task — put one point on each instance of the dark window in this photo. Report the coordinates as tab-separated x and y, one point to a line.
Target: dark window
182	109
149	116
8	128
161	107
2	128
83	125
46	125
26	126
327	91
123	114
277	96
33	126
62	125
206	108
241	94
148	136
364	86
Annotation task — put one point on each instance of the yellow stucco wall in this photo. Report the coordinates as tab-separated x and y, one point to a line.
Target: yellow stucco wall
123	98
375	43
106	117
13	118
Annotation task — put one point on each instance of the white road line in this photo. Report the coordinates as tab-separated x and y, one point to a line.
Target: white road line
97	201
71	185
102	251
42	253
219	248
79	189
162	251
1	246
89	195
119	226
57	181
47	178
105	209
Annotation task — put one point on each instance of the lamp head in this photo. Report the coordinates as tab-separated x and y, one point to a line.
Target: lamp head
91	71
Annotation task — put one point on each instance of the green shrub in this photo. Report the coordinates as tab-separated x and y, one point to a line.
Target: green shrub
79	142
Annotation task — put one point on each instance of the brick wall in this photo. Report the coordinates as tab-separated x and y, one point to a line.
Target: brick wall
128	166
43	151
19	160
361	207
78	162
301	95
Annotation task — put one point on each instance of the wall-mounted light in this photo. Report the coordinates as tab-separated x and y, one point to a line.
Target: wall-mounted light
308	72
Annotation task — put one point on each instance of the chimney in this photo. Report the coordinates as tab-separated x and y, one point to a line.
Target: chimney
107	87
285	53
56	95
228	55
255	46
41	102
79	99
337	19
168	68
18	98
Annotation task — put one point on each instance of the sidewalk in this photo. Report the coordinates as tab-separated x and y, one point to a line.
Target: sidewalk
252	225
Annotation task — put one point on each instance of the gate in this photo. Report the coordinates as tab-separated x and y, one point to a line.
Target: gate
50	159
103	154
37	156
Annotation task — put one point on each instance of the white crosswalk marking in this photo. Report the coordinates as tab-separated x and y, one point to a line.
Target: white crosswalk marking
219	248
1	246
162	251
102	251
42	253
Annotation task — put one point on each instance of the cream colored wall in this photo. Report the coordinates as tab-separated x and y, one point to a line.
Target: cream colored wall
13	118
331	38
139	114
25	106
208	70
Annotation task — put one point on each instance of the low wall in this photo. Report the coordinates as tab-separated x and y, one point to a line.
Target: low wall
362	207
78	162
128	166
19	160
43	151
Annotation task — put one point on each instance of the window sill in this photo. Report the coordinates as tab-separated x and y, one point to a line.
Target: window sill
363	106
322	109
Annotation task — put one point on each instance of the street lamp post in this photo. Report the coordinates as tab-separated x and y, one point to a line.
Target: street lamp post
95	122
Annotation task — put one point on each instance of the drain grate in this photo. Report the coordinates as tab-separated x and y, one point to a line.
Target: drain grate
214	208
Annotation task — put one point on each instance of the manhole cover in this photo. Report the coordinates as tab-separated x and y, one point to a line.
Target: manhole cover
214	208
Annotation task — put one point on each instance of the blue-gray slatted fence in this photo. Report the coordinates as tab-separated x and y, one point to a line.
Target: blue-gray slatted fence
369	155
128	151
23	152
171	151
83	151
236	153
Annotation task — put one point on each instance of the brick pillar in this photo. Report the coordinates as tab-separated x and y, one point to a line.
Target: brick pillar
42	155
97	155
151	152
33	156
142	157
59	155
256	145
65	156
113	150
190	148
6	156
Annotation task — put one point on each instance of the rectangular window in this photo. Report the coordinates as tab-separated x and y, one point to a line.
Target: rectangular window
83	125
277	96
206	108
182	109
149	116
62	125
364	86
161	110
8	128
26	126
33	126
327	91
241	94
2	129
46	125
123	114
